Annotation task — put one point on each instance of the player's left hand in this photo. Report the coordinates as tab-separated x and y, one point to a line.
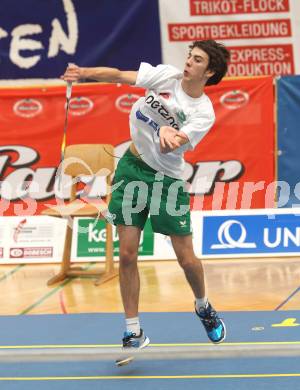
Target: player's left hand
168	138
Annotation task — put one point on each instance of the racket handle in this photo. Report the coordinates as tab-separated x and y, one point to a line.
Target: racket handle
69	90
69	86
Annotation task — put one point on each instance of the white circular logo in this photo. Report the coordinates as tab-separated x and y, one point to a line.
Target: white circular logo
234	99
227	241
16	252
27	108
80	105
124	103
225	237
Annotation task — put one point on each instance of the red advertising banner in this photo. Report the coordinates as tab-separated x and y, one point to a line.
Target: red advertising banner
230	30
231	168
239	150
261	60
225	7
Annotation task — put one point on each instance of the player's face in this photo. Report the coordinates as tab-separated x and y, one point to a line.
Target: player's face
196	65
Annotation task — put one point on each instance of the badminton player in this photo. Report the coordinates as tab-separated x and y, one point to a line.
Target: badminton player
174	116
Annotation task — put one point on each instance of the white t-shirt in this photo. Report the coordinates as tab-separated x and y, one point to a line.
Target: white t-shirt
166	104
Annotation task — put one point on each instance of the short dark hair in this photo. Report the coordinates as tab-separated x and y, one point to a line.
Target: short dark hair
218	58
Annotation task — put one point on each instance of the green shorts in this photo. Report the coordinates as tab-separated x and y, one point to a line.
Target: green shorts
139	190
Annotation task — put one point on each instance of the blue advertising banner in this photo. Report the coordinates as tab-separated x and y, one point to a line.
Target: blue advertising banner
38	38
255	234
288	117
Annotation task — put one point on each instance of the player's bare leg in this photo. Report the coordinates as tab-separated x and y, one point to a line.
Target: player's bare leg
193	269
191	265
129	237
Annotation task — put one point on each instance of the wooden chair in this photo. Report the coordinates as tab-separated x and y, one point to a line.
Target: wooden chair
87	160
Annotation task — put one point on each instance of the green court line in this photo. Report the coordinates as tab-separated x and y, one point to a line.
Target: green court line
53	291
58	346
119	377
13	271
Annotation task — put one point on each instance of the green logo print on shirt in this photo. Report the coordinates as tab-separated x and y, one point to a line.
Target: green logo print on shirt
181	117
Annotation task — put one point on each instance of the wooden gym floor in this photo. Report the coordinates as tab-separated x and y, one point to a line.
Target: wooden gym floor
235	285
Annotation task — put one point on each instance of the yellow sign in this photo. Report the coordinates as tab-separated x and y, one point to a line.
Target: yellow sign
286	322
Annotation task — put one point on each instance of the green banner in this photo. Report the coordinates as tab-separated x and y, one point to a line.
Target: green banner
92	236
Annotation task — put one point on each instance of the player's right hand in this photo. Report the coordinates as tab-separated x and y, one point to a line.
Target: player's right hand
72	73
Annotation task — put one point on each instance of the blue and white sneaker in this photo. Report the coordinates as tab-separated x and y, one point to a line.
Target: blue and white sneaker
214	326
132	341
